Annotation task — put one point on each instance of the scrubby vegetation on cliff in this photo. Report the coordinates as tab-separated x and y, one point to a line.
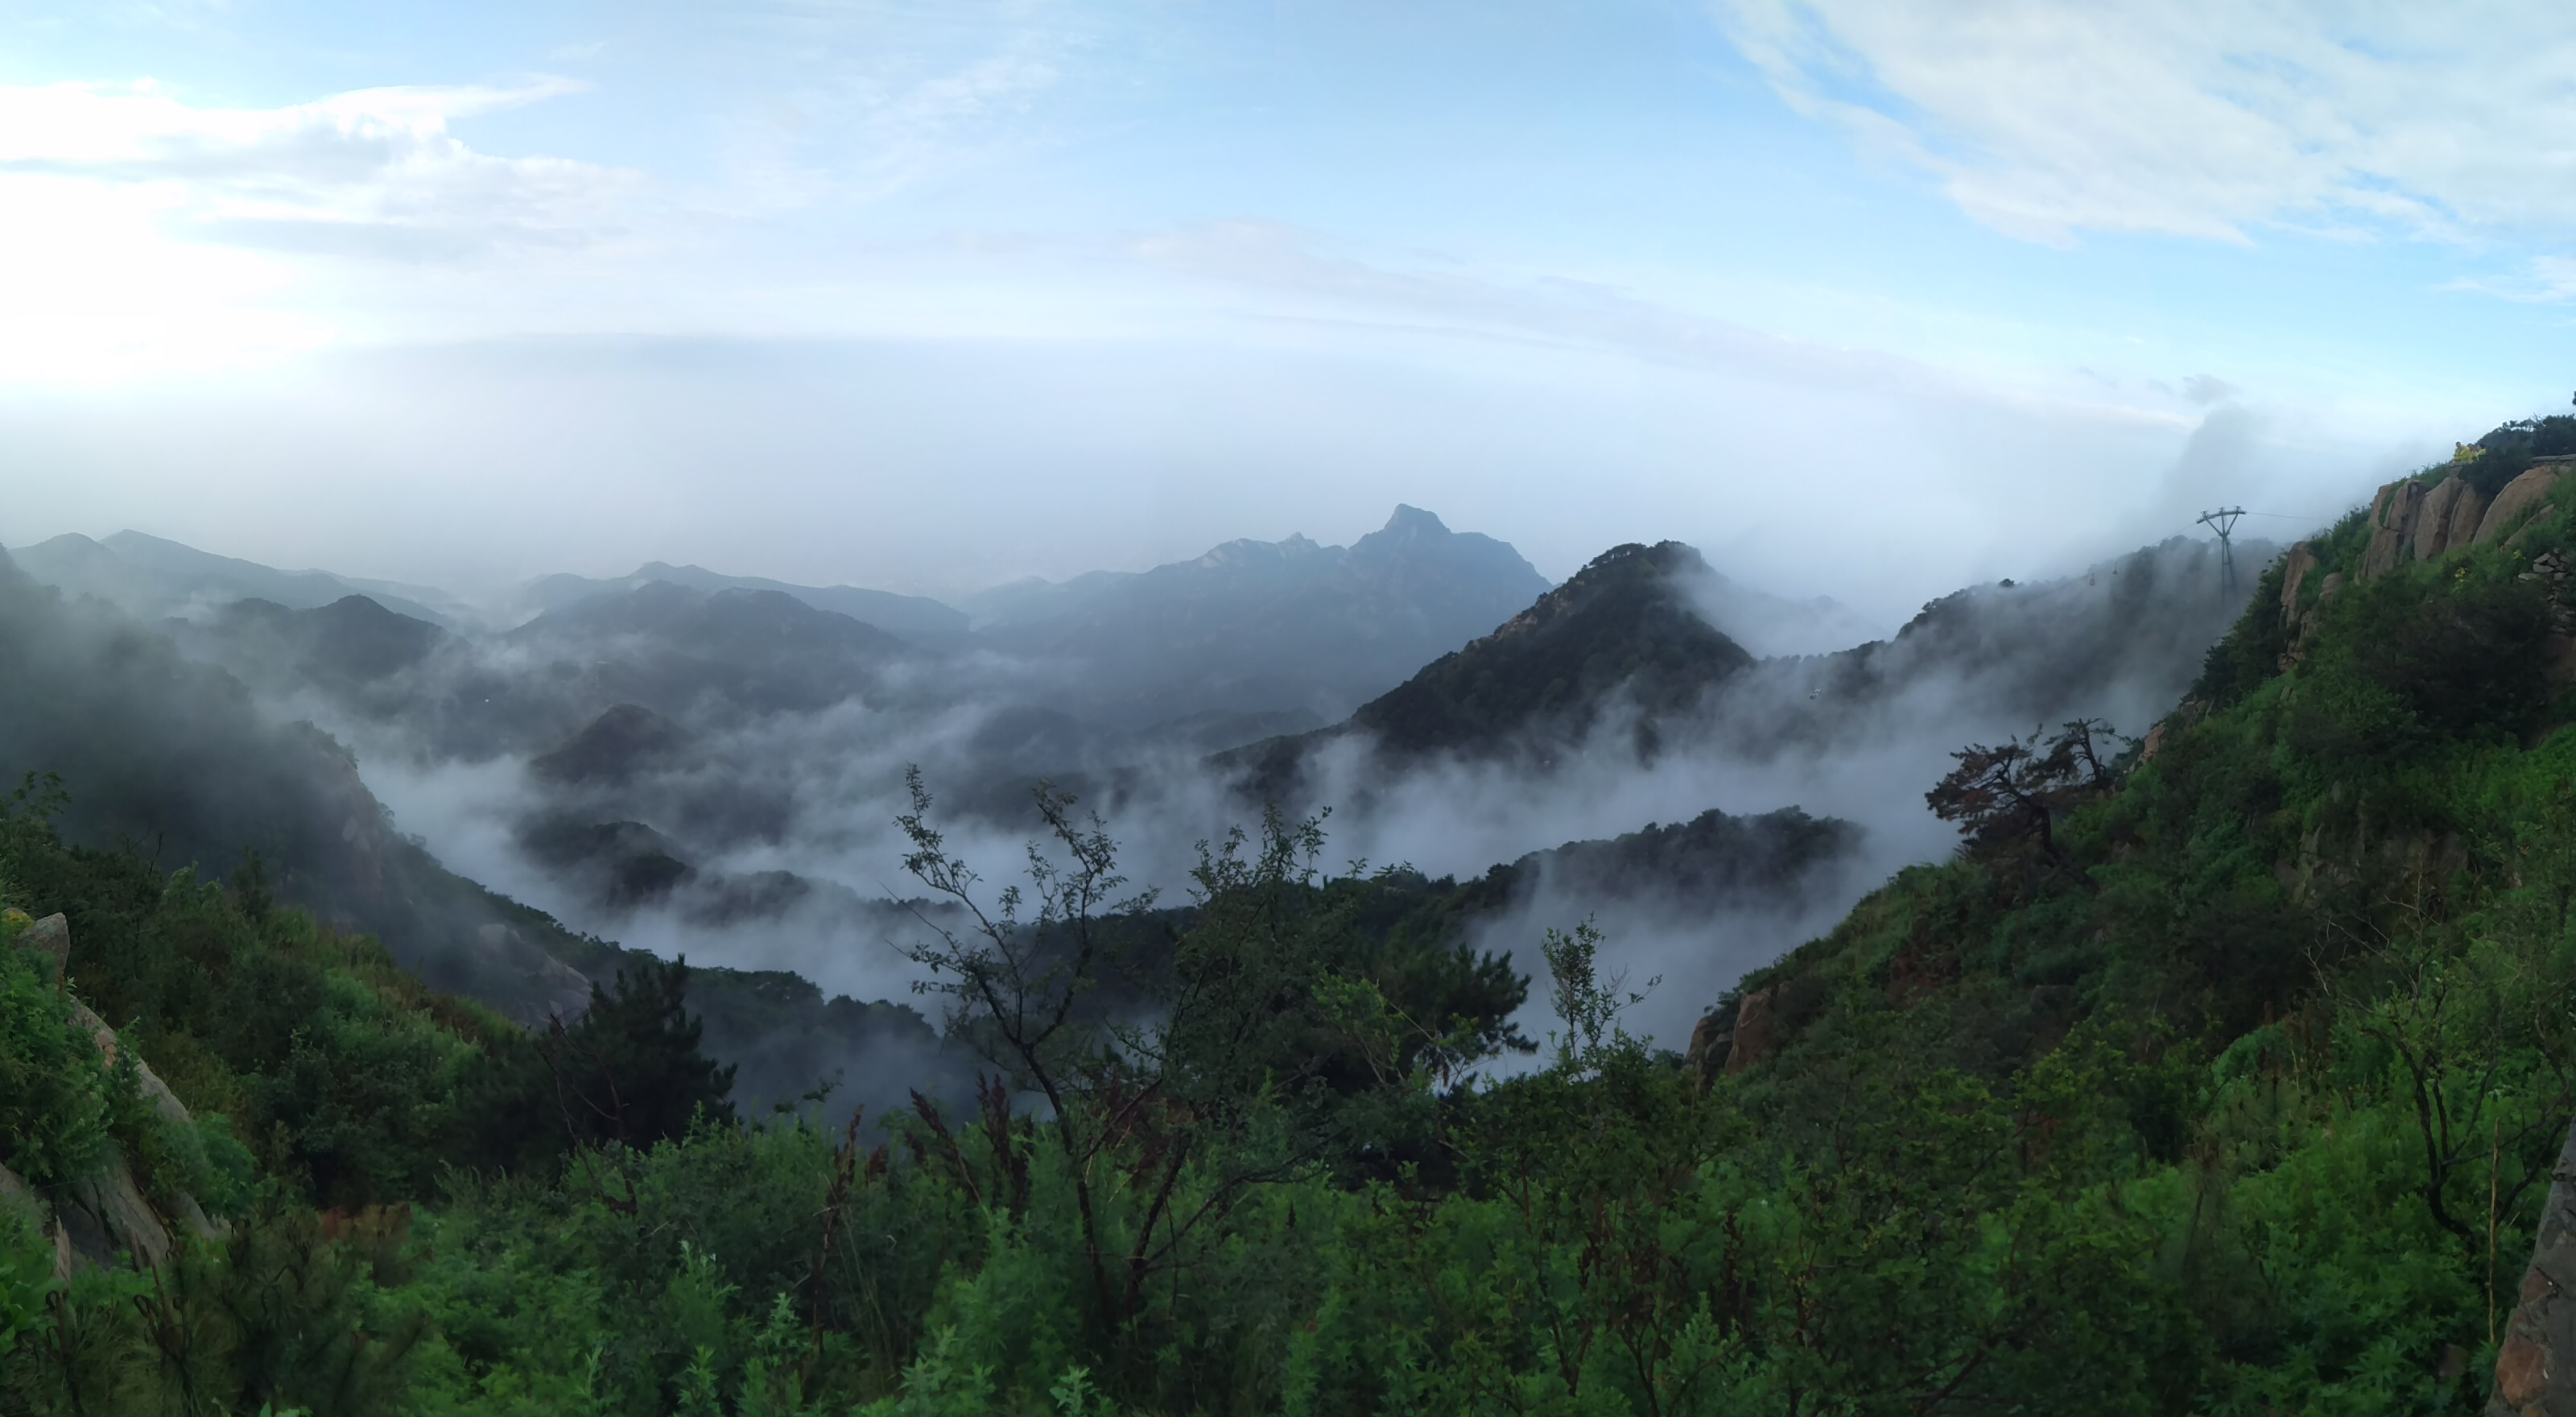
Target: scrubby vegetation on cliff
2224	1075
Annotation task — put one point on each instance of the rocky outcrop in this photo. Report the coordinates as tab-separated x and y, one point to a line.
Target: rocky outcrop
1710	1039
1753	1030
2393	514
2295	570
104	1218
2450	517
50	939
2523	495
2410	521
2535	1373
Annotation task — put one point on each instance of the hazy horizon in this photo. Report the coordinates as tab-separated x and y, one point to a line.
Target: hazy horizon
930	300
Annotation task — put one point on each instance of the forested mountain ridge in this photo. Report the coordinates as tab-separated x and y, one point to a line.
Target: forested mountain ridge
1620	663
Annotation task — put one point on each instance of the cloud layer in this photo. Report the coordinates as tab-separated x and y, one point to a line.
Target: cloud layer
2198	118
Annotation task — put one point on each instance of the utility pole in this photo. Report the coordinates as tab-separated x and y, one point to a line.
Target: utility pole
2223	521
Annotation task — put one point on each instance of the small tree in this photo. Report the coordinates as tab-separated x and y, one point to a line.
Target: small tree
1586	1003
630	1070
2013	792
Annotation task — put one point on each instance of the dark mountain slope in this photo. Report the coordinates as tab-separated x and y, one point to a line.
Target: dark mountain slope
343	646
1776	861
176	759
614	747
2289	983
1619	628
1624	643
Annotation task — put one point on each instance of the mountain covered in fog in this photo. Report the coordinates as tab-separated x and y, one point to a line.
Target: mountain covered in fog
916	619
1262	626
153	578
179	761
670	722
1623	658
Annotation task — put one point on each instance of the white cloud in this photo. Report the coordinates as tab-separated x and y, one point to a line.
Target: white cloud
372	172
2198	117
139	232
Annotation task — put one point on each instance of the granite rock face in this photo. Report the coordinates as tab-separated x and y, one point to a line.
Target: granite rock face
103	1219
2519	496
2536	1365
2410	521
2393	514
2449	519
1753	1030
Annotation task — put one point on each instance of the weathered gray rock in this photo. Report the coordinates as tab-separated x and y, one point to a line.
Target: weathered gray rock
2450	517
109	1219
2524	494
50	938
2536	1365
105	1216
157	1092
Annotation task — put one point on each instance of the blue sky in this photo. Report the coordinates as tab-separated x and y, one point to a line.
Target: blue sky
1865	300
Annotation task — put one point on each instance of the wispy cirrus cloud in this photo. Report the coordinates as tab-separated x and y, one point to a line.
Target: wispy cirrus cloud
869	98
2199	118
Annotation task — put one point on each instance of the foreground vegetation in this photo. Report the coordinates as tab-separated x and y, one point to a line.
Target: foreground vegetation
2221	1078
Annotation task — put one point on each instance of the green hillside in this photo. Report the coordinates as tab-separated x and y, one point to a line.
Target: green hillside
2220	1073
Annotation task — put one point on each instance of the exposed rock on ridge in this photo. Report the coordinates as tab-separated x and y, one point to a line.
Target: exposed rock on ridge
2409	521
104	1217
2536	1366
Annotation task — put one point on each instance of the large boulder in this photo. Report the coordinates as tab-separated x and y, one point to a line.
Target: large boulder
2449	518
2524	494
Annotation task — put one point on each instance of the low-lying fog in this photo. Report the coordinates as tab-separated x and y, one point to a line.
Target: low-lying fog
714	768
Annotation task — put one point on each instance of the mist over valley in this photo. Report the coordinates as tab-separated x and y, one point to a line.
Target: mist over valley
701	765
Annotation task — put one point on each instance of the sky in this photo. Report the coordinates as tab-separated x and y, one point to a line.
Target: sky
1867	300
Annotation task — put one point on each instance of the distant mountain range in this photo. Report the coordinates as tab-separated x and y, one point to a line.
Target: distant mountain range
1257	626
917	619
156	579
